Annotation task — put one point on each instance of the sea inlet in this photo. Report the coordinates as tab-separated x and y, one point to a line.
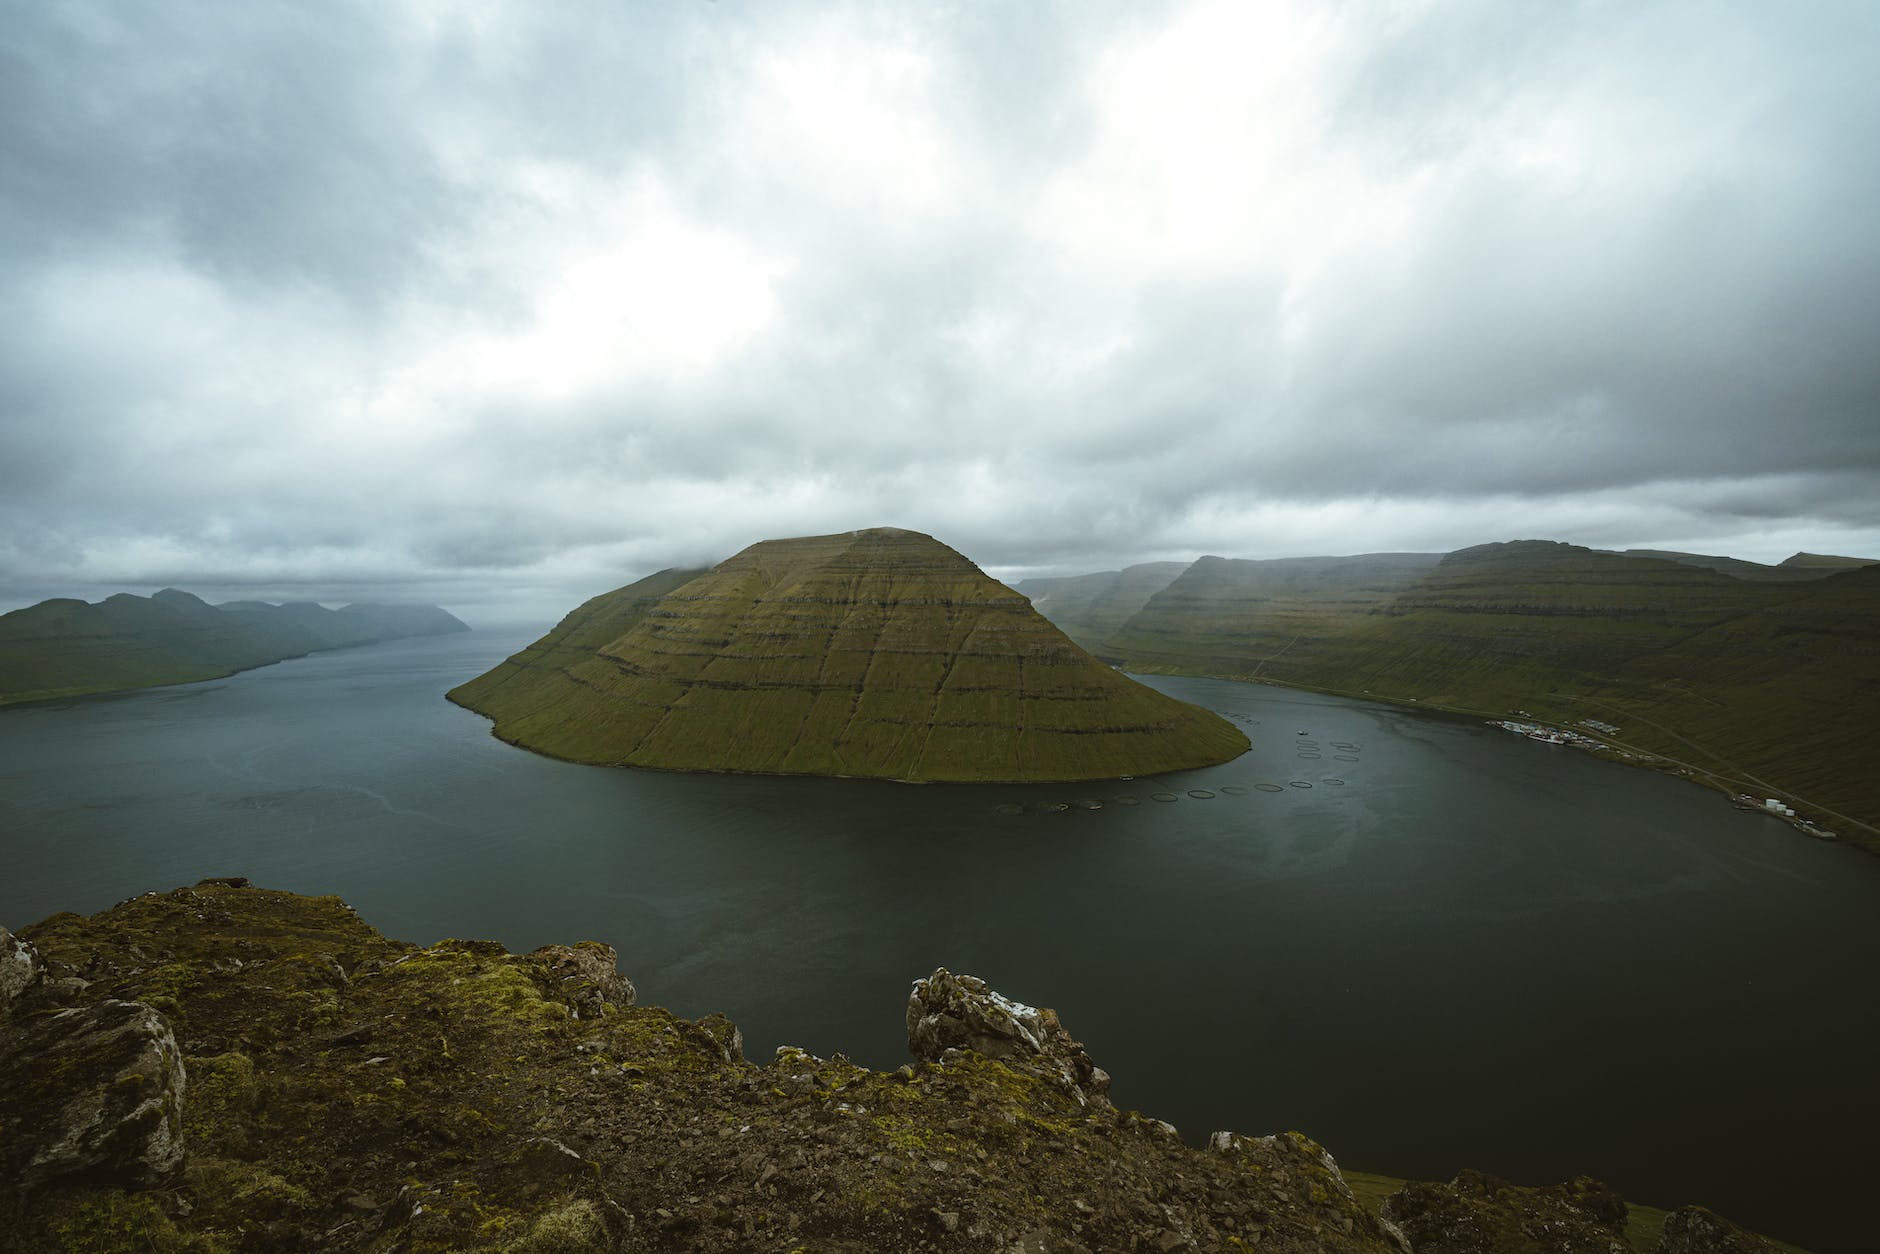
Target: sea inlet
1422	941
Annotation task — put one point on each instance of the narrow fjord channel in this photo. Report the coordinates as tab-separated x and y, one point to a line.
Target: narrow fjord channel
1425	942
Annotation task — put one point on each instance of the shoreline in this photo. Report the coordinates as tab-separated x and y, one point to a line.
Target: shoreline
1807	819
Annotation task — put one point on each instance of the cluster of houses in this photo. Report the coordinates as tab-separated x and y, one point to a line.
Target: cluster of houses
1579	740
1548	735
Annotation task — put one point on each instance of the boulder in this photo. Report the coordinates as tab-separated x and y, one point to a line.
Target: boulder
589	975
94	1090
1477	1213
947	1011
729	1038
20	968
1694	1230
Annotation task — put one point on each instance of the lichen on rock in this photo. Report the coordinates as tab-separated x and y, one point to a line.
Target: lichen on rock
1695	1230
961	1012
590	975
20	968
91	1090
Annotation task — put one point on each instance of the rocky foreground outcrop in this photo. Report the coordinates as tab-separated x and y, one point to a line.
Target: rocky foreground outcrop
349	1092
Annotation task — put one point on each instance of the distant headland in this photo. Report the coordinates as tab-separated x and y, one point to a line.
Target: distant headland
69	648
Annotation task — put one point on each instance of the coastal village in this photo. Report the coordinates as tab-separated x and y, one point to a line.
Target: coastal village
1551	735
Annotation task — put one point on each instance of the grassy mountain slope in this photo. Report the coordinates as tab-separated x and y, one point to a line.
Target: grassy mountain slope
64	648
1768	686
871	653
1089	608
1826	561
1735	566
1225	616
532	681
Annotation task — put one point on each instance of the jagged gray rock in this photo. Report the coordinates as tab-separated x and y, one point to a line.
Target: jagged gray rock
947	1011
20	968
94	1089
590	976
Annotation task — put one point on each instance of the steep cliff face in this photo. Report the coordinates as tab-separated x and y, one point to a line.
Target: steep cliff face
877	653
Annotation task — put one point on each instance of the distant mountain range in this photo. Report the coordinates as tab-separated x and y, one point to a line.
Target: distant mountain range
1760	679
879	653
67	648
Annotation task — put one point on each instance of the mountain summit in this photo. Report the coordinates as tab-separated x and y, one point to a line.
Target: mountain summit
878	653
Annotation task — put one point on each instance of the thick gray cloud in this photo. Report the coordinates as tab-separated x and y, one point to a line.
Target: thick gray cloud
524	301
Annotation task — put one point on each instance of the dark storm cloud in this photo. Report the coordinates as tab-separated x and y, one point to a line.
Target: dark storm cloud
546	297
265	143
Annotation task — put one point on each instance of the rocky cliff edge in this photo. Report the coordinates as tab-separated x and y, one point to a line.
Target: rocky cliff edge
226	1068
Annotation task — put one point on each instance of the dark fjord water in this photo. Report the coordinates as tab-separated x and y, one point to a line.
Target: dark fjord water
1474	950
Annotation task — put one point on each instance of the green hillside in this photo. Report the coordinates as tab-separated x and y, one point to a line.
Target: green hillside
1090	608
1789	570
1226	616
1761	686
1825	562
877	653
65	648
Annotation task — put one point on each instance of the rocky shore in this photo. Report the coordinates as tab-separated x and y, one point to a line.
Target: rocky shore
226	1068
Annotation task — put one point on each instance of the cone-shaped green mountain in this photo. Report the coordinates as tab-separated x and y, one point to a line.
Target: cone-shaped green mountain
877	653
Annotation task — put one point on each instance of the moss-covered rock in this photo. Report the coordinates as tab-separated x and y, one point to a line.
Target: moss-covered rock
948	1013
94	1090
1476	1213
1695	1230
350	1092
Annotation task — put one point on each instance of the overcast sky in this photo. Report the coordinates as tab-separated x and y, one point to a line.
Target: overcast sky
494	302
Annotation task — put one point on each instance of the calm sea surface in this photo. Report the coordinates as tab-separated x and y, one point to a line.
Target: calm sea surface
1426	942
